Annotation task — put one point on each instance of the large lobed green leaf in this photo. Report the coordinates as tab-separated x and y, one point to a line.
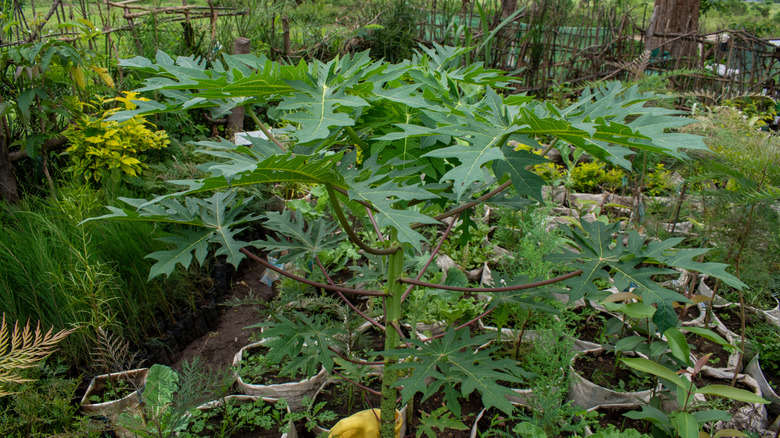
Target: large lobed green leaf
459	369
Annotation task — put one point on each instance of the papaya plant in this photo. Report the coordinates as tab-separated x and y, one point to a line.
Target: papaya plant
389	143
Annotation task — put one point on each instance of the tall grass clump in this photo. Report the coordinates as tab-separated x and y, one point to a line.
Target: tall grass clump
395	38
93	276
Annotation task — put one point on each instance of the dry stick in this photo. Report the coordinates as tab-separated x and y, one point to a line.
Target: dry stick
160	21
350	232
341	295
34	33
430	259
370	293
679	206
490	289
742	294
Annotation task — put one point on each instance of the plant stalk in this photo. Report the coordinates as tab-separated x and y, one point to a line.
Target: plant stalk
334	201
394	292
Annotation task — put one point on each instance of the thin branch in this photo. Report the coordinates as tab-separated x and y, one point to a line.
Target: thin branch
490	289
359	201
371	293
359	362
350	232
366	388
376	226
401	333
262	127
544	152
430	259
461	326
349	303
458	210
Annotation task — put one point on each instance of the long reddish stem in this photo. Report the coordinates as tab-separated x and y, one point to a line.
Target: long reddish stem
344	298
430	259
490	289
371	293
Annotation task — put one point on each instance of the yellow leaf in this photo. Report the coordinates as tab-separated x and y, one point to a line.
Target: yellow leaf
129	160
94	139
102	72
78	76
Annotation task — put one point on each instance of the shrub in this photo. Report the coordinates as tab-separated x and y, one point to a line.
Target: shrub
658	181
100	147
587	176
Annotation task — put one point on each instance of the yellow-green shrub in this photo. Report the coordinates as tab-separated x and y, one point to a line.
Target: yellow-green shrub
613	179
658	181
99	147
587	176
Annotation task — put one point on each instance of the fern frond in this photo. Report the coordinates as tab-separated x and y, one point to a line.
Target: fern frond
111	352
24	348
635	67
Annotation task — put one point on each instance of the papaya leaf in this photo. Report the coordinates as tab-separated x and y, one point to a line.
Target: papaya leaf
384	197
524	181
300	343
466	369
307	240
187	244
312	169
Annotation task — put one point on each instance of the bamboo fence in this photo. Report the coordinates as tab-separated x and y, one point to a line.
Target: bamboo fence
552	43
547	44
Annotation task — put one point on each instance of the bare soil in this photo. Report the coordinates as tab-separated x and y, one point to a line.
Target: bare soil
700	347
602	370
217	348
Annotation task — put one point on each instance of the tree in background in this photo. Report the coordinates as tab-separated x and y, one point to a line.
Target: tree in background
670	22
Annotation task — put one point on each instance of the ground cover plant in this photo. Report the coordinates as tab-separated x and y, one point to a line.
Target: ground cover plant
393	145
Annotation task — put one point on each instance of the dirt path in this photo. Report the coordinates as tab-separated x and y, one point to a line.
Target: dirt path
217	348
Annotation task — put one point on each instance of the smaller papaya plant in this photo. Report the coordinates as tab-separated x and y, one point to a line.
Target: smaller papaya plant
391	143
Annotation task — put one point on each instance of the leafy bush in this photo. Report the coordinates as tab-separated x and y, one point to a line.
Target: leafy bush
659	181
587	176
43	408
100	147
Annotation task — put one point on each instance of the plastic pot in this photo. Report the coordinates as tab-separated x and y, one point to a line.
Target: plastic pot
248	399
767	391
136	378
588	395
749	417
293	392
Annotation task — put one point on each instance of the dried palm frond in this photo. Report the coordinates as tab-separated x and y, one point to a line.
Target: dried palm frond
112	353
636	67
24	349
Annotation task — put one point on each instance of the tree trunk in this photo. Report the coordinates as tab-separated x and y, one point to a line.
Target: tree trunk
8	189
670	22
508	7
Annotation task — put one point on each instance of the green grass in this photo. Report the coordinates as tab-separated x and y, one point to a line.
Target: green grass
65	275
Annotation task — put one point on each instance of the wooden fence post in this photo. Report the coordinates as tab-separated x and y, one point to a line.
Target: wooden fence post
235	120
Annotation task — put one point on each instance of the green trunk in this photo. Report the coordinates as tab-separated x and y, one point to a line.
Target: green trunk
392	339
